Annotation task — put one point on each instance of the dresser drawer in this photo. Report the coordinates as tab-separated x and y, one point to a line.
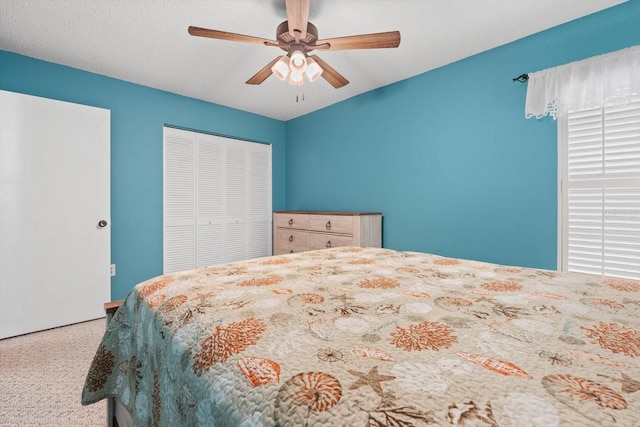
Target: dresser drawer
290	241
325	240
293	220
331	223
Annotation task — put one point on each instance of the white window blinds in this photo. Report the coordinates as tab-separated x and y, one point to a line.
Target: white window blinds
217	200
600	190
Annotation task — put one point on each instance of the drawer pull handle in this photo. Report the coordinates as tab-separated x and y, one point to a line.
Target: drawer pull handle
291	251
291	238
328	244
328	225
290	221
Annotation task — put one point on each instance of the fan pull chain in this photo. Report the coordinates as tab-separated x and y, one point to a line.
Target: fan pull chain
299	95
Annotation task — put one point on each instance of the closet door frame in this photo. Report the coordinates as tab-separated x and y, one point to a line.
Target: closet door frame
217	199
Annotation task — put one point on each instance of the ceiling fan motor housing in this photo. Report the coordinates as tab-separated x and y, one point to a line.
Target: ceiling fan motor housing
288	43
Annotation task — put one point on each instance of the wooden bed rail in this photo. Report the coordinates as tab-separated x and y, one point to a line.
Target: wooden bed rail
111	307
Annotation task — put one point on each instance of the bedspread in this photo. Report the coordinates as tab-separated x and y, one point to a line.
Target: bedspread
373	337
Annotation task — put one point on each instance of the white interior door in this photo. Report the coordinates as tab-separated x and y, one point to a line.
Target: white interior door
54	193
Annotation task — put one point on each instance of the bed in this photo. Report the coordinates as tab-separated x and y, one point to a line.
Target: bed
373	337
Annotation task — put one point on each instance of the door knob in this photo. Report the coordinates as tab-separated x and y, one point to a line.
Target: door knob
102	223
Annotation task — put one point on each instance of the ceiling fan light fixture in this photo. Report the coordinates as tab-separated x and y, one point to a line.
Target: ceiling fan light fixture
281	68
296	78
313	70
297	37
298	61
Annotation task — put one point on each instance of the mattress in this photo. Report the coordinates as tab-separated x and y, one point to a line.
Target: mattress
373	337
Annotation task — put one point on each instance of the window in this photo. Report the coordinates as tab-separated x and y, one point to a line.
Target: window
599	190
217	200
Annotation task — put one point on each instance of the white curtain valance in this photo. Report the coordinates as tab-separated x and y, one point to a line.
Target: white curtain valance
613	77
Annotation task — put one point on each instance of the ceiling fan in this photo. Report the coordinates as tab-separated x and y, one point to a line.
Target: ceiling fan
297	36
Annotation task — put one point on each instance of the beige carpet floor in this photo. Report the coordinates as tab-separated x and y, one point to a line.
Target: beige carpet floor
42	375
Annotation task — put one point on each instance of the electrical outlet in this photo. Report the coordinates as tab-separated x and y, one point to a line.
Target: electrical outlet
113	269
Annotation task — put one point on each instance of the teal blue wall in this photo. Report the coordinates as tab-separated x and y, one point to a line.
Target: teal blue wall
448	156
137	116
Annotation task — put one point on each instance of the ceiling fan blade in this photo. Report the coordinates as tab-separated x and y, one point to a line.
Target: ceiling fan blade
223	35
363	41
262	75
298	16
334	78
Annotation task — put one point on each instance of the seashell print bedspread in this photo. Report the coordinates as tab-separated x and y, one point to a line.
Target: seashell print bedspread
373	337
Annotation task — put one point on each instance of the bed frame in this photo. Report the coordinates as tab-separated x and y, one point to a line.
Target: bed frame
537	319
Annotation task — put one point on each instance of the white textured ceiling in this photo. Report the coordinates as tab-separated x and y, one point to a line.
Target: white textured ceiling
146	42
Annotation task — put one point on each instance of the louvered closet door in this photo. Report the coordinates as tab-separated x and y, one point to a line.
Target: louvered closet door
210	200
248	200
229	191
237	186
179	200
260	228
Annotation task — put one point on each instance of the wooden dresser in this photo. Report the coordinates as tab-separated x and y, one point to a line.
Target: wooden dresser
299	231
